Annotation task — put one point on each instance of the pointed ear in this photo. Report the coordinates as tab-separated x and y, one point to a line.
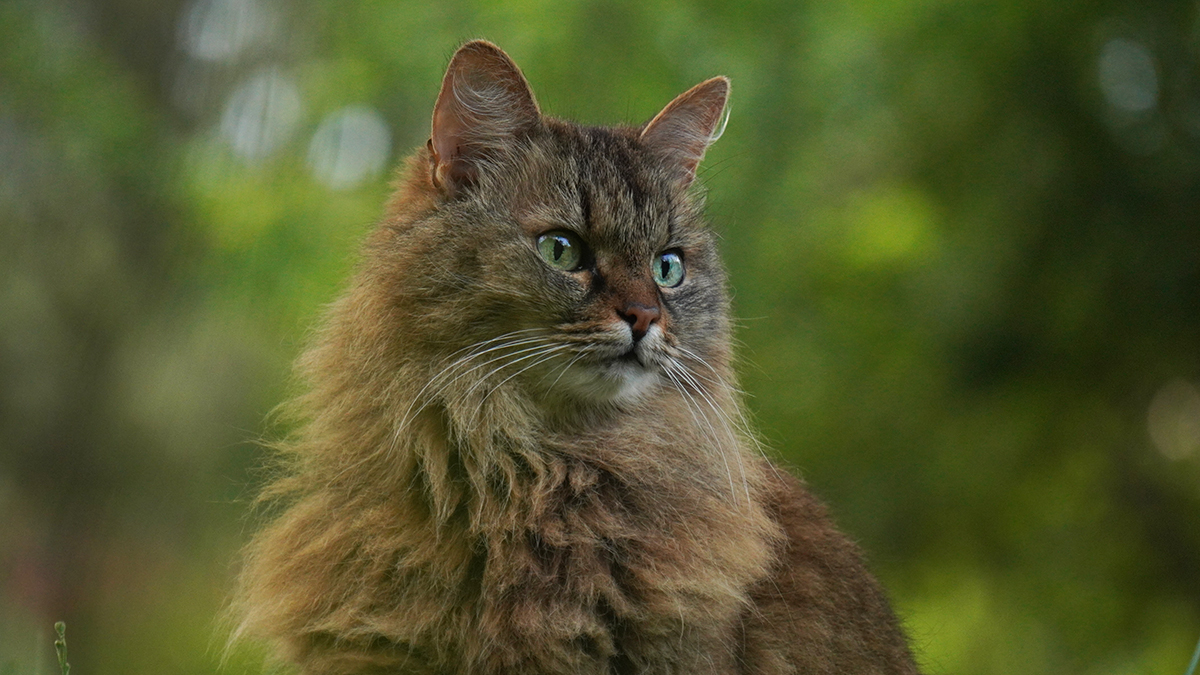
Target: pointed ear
682	132
484	103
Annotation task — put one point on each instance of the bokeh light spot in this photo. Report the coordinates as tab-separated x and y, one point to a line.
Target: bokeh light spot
350	146
1174	420
219	30
261	114
1128	76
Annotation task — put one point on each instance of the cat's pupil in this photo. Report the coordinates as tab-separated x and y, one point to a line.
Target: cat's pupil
558	249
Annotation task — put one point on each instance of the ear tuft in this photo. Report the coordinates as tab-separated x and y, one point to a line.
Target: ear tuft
485	102
681	133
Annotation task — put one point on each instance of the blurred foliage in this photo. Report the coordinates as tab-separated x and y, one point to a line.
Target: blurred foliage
963	238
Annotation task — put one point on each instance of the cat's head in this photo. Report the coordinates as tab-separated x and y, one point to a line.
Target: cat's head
566	259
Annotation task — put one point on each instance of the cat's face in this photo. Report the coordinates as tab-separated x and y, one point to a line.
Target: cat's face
610	265
567	259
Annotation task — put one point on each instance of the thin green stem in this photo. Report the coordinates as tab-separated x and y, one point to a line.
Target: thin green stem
60	647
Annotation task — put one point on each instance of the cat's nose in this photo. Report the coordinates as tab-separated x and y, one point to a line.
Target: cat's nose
639	317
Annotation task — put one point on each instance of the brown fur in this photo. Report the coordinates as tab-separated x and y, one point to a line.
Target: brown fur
467	493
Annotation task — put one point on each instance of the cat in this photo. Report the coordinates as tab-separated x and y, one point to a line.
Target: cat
521	449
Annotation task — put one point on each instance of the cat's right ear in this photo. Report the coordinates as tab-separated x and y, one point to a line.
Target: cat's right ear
484	104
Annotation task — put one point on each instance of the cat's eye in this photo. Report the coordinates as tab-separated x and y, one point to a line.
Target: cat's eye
668	269
562	250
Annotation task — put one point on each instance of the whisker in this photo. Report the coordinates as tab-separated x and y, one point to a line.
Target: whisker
489	341
437	380
720	379
536	345
742	423
563	370
540	357
504	345
693	408
723	416
550	353
530	353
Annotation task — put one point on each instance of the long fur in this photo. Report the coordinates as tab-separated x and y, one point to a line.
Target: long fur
461	496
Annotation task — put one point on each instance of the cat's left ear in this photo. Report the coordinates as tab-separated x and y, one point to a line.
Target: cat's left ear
485	103
682	132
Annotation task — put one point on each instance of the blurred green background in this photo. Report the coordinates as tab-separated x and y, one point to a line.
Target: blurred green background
963	237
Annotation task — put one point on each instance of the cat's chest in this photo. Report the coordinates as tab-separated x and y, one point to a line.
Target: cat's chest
599	561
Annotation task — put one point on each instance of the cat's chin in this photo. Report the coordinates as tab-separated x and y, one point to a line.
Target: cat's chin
618	382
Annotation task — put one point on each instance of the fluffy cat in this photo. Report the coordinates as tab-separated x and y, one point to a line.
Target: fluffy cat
521	450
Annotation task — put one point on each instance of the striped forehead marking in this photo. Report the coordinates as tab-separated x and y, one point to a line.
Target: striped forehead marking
611	185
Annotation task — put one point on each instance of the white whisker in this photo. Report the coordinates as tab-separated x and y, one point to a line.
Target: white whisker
540	355
529	353
439	383
723	416
693	409
563	369
743	424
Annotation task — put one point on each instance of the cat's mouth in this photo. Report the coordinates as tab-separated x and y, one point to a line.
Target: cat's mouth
632	357
613	368
623	375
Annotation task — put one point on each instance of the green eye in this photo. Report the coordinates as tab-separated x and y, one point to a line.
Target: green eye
668	269
562	250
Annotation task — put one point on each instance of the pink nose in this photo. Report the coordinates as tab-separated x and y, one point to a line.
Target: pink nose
639	317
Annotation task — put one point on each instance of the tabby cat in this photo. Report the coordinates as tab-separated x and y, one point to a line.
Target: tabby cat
521	448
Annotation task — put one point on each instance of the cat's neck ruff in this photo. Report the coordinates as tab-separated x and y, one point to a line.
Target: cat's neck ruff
482	451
